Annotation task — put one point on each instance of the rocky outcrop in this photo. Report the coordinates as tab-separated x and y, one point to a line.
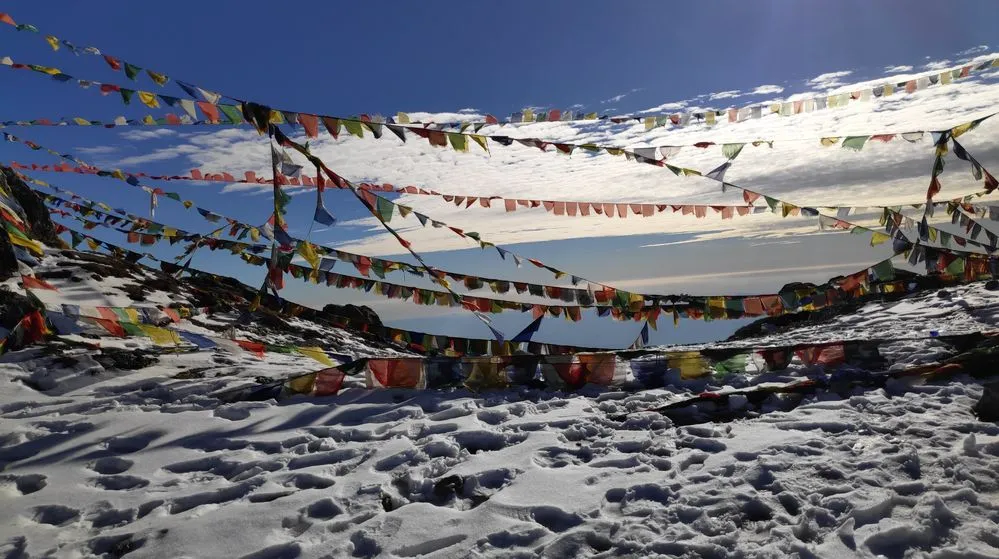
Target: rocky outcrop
37	217
354	313
42	228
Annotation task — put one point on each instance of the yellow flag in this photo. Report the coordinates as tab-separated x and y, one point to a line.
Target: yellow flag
303	384
650	122
831	141
169	232
160	79
34	246
877	238
149	99
187	204
889	89
133	315
402	118
94	245
52	41
160	336
254	234
276	117
481	140
528	115
960	129
148	120
317	354
709	117
81	121
689	363
308	252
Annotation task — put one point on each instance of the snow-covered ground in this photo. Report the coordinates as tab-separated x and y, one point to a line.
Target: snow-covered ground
149	463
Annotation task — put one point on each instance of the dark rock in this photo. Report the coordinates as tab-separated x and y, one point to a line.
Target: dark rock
944	294
8	264
125	360
13	307
987	408
36	215
992	285
354	313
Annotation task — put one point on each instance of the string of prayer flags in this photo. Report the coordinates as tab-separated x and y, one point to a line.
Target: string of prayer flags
650	122
730	307
356	126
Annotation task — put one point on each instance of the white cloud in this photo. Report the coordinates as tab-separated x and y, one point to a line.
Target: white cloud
141	135
620	96
974	50
96	150
725	95
672	106
897	69
829	80
938	65
766	90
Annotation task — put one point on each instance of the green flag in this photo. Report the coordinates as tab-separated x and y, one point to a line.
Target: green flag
956	267
732	365
855	142
884	271
731	151
354	127
458	141
384	209
132	70
233	112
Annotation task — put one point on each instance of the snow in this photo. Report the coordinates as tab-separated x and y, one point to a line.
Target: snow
96	461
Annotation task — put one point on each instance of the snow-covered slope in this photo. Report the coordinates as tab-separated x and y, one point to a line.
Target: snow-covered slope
105	455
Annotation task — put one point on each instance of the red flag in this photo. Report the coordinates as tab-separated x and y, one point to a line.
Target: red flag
31	282
7	19
310	123
255	348
396	373
113	62
173	314
328	382
112	326
211	111
34	327
933	190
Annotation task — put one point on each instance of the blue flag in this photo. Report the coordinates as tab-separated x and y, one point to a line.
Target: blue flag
526	334
323	216
202	342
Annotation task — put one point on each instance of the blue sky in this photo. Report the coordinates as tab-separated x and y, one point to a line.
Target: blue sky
497	57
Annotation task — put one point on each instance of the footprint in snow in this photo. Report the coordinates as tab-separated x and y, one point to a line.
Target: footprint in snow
25	484
110	465
56	515
134	443
119	482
